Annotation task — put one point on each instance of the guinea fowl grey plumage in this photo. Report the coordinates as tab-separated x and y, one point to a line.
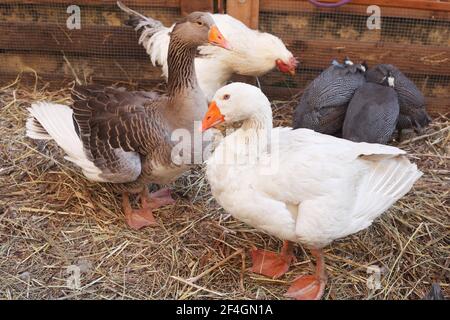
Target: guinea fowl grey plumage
412	102
372	113
324	102
124	138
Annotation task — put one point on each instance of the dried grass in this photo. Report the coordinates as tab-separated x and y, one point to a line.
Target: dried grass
52	218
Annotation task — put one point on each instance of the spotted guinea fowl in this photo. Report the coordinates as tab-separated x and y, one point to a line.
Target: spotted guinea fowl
324	102
298	185
254	53
372	113
124	138
412	102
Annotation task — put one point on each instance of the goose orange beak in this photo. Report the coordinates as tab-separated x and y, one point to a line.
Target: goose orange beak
212	117
216	38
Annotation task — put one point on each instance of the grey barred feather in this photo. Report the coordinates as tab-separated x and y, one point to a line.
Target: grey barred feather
372	114
180	70
324	102
118	127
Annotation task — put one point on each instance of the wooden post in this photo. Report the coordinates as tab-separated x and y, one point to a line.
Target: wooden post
245	10
188	6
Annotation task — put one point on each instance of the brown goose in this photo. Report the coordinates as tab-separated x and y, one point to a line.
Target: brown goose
124	138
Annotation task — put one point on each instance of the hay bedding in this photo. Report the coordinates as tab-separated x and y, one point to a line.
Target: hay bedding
52	218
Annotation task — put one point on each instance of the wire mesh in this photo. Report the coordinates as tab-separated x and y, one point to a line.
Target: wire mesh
103	48
413	41
34	38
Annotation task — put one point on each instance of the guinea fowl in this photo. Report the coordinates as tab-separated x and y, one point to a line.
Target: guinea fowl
412	102
124	138
254	53
372	113
298	185
324	102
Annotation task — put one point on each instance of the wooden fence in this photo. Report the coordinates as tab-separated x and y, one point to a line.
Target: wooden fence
34	39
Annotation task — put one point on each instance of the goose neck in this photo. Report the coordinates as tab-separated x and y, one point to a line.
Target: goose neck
180	61
259	121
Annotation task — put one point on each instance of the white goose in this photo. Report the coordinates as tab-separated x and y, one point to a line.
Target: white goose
298	185
253	53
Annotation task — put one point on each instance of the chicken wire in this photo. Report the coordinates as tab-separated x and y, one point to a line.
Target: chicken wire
105	49
302	26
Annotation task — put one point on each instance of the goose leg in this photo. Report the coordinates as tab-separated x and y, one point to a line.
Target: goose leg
310	287
138	218
272	264
158	198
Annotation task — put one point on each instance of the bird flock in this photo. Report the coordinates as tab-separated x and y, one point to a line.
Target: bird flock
329	176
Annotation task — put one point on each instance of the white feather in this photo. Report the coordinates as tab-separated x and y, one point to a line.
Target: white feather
157	47
57	121
391	82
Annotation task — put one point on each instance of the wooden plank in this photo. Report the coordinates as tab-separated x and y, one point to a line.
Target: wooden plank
148	3
291	6
90	15
436	106
246	11
407	4
67	66
122	42
101	40
402	4
188	6
414	58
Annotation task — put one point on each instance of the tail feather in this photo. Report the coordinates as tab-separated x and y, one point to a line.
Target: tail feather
54	121
35	130
389	180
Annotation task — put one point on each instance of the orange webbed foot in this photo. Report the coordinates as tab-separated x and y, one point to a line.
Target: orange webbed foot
140	218
159	198
307	287
310	287
272	264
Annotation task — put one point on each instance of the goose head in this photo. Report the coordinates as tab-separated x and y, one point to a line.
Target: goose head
236	102
199	28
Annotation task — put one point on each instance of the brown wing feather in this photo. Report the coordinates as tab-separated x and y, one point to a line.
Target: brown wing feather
118	128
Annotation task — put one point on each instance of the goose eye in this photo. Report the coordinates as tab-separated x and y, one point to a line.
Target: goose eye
226	97
199	23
